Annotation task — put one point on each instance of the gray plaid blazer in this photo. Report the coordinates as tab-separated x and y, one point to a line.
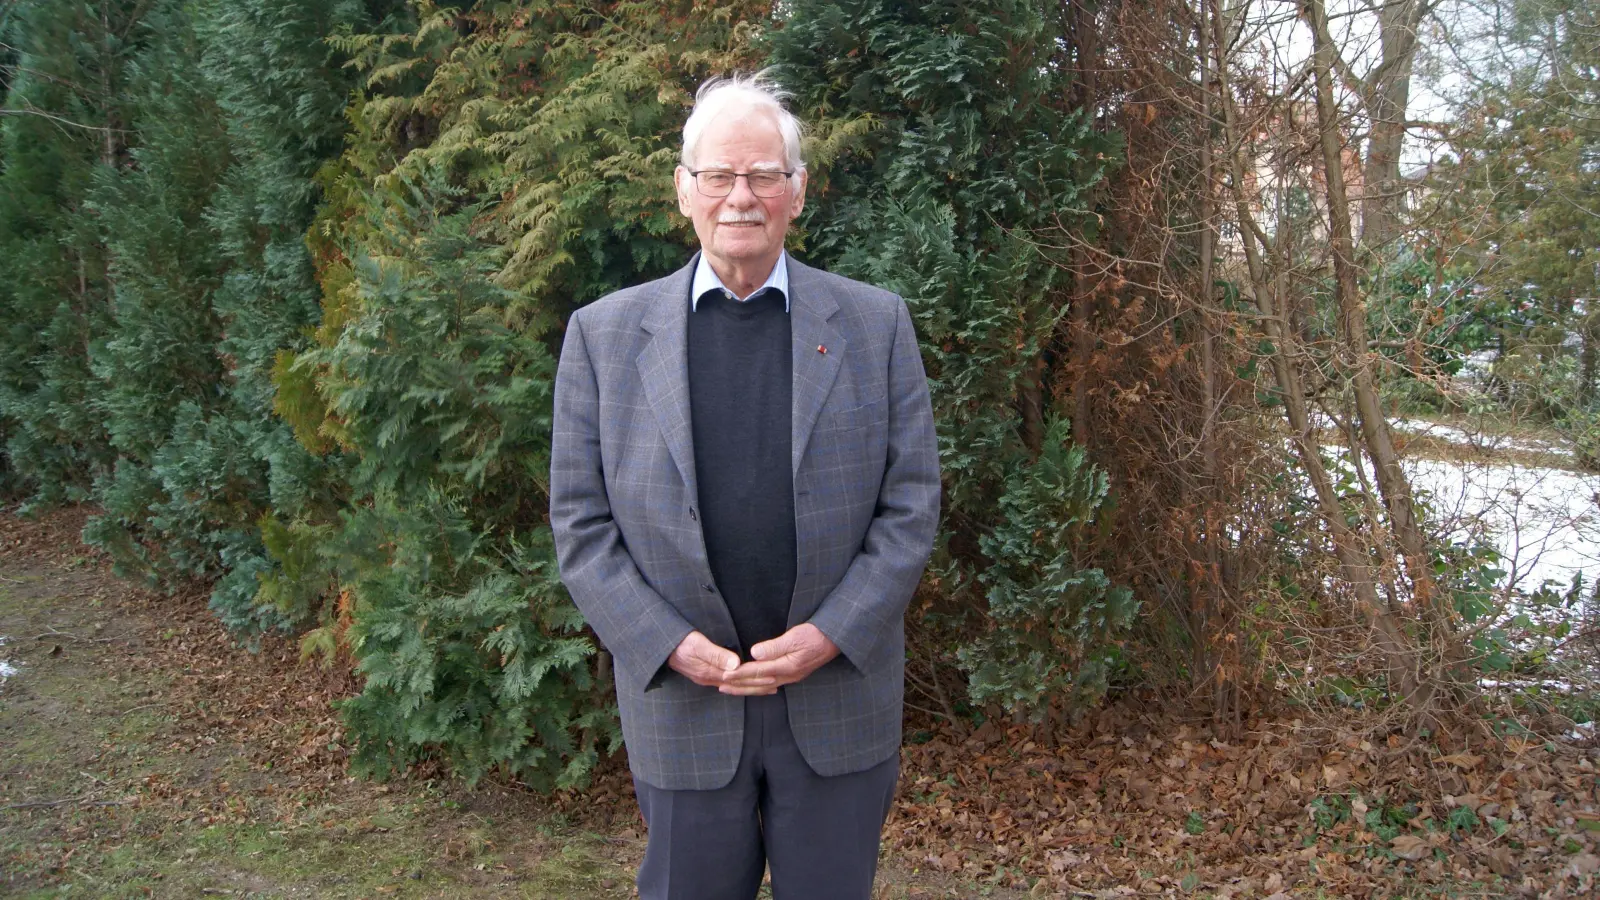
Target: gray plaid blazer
866	485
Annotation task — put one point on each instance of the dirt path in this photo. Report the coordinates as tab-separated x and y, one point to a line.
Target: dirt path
129	772
143	756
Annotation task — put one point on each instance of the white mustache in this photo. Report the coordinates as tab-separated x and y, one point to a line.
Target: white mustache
733	217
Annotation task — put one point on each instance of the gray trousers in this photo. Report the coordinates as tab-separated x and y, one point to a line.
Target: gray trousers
820	835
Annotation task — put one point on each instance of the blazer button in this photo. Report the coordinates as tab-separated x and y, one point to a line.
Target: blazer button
692	516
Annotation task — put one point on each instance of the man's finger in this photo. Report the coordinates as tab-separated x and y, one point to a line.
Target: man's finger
770	649
702	661
710	674
718	658
742	691
747	679
769	669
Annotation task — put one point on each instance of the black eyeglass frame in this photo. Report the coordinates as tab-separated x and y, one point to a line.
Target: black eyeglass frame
695	174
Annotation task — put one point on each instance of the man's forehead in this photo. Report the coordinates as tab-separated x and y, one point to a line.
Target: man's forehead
708	161
743	134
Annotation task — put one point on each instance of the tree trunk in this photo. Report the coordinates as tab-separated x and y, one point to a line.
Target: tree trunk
1355	560
1085	31
1589	336
108	153
1392	481
1030	403
1210	599
1386	93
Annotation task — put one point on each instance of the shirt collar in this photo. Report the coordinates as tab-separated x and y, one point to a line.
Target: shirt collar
705	279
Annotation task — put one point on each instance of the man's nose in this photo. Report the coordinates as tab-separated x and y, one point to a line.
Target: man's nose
741	196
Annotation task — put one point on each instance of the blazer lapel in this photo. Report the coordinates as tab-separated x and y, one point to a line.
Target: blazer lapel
664	368
819	349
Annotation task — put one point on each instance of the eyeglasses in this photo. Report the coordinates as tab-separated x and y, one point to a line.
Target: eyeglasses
720	182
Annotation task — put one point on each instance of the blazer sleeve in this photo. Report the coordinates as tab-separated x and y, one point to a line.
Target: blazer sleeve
639	628
871	599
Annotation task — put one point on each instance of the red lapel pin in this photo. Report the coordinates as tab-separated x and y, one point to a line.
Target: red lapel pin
821	349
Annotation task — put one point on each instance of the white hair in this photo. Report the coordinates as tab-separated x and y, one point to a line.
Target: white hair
742	93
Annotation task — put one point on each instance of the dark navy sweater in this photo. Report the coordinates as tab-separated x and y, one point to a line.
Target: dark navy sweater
740	396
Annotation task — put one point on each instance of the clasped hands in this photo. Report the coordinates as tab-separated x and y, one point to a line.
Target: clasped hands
785	659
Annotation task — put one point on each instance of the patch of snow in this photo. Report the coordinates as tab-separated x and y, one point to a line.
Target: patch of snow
1480	440
1477	365
1558	685
1544	522
6	668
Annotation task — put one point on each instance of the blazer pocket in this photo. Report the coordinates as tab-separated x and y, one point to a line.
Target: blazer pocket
854	417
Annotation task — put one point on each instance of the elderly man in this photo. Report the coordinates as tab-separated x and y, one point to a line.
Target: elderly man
744	488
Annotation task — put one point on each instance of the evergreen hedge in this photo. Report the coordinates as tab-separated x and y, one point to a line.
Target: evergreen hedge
283	301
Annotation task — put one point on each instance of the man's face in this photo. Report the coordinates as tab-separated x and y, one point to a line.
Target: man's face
741	230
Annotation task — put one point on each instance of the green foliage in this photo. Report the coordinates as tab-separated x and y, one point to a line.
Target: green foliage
1427	328
490	675
470	648
1054	623
280	283
507	163
1524	177
1462	818
155	354
235	105
951	164
1384	817
282	89
65	121
427	381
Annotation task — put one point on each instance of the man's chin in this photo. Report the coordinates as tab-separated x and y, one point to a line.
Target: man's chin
735	253
742	241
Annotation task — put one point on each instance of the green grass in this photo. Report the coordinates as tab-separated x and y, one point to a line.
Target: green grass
78	724
195	818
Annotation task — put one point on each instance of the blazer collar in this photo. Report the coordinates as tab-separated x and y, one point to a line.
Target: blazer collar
667	310
706	280
667	303
664	366
818	348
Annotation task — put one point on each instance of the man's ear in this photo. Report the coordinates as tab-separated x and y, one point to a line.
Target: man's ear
684	182
797	204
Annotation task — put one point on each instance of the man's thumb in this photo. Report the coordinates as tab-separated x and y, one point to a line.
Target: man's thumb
721	657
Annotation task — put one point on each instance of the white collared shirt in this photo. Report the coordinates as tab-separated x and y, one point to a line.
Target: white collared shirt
705	279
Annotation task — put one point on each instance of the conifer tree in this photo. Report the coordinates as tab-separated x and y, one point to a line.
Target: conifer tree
236	104
156	355
65	118
1526	177
945	144
284	89
509	162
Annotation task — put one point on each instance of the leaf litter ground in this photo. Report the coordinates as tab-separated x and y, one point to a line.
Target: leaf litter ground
143	754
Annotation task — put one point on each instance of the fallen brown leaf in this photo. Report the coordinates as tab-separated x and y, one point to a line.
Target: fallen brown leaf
1411	847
